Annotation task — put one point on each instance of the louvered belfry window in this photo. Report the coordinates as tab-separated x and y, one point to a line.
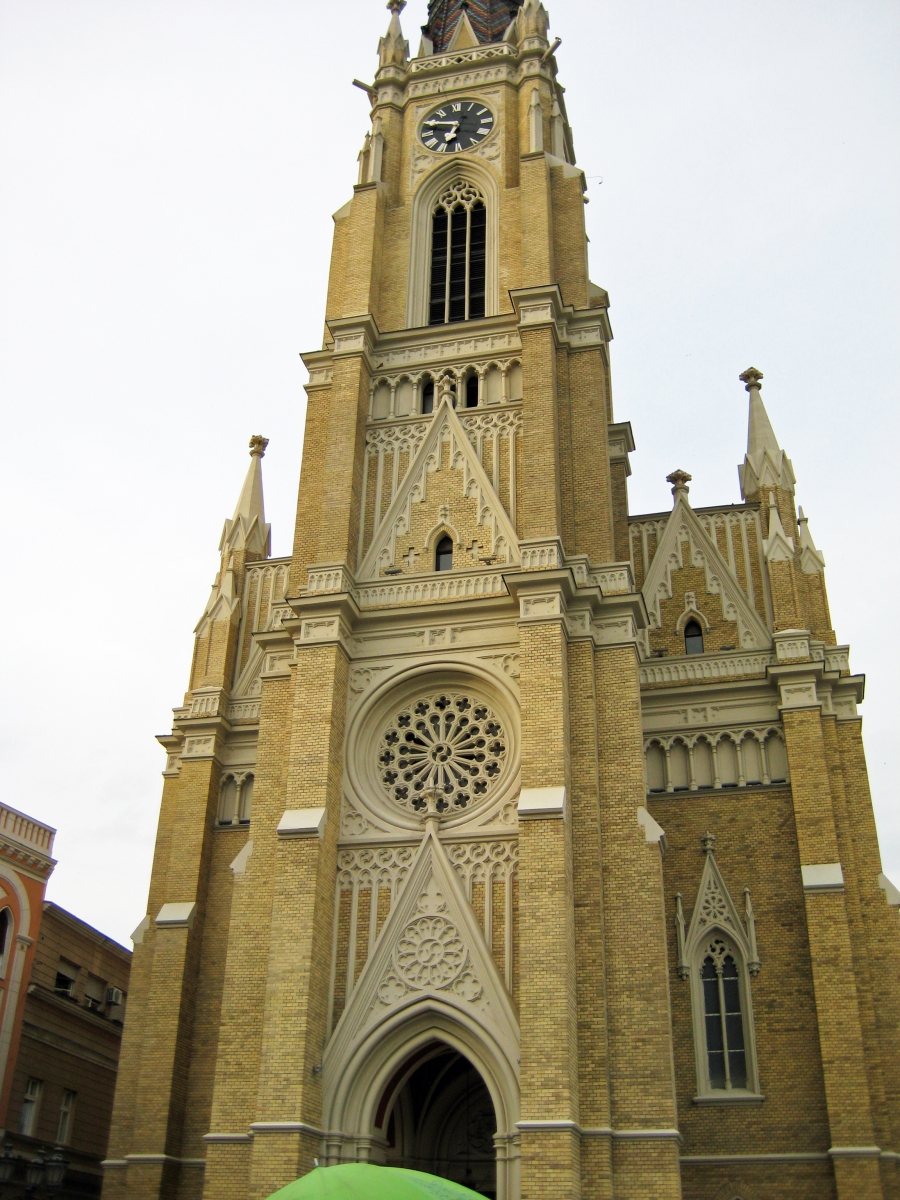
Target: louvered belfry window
458	252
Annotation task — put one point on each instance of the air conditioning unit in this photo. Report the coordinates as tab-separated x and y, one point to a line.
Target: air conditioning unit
114	995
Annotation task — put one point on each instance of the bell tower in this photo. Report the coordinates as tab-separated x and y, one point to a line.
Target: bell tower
409	901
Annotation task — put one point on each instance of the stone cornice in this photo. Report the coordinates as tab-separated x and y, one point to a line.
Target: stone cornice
573	328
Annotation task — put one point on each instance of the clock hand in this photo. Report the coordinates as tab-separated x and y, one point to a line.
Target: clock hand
448	137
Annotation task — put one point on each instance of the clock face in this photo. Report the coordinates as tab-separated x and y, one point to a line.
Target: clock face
459	125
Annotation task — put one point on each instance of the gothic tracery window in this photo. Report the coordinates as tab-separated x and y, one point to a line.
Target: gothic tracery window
718	954
458	255
723	1017
450	744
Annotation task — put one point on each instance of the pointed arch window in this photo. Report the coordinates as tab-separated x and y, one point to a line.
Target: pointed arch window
443	555
723	1018
693	637
458	256
717	953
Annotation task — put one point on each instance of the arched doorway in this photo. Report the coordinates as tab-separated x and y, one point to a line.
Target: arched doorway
436	1115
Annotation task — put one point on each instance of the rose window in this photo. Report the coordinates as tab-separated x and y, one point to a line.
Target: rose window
448	744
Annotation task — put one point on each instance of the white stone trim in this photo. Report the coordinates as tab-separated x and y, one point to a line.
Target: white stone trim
239	866
891	893
138	936
654	833
153	1160
178	915
302	823
537	804
854	1152
564	1126
823	877
788	1156
228	1137
287	1127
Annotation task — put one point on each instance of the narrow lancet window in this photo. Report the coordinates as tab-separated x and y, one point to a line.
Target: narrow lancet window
428	397
458	256
726	1056
472	391
693	638
443	555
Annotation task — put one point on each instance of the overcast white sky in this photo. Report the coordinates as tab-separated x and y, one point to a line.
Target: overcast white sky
167	174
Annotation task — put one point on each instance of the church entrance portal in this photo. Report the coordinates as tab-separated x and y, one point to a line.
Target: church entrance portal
436	1115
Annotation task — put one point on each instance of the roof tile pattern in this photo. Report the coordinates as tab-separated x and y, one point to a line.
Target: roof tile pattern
489	19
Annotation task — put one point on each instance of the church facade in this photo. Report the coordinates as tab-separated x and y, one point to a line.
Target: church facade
505	834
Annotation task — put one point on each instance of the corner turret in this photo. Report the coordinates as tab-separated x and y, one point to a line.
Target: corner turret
245	538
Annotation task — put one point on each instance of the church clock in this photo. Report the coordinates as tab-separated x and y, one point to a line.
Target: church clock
459	125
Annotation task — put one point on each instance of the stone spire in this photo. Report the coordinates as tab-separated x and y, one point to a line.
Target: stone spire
488	19
766	465
247	530
393	49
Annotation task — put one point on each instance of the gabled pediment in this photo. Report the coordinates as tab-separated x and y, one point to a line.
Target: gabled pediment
430	948
714	908
684	528
499	536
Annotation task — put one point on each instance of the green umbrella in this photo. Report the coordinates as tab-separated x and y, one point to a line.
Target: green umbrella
363	1181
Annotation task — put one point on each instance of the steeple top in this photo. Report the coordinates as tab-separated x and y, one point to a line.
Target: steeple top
760	434
247	529
489	20
765	465
680	480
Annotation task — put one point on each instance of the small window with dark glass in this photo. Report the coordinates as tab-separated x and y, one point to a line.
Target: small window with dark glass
725	1053
458	256
428	397
443	555
472	391
693	638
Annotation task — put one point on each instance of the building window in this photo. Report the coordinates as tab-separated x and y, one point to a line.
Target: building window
693	638
66	1118
5	938
443	555
31	1104
725	1053
428	397
458	248
246	800
95	993
228	801
66	975
472	391
718	953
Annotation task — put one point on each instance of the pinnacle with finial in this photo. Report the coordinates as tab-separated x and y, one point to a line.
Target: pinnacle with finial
680	480
708	842
751	378
258	445
396	7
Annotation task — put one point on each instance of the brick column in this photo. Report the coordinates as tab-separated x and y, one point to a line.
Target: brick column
881	926
149	1115
287	1129
244	991
641	1070
590	935
856	1163
550	1161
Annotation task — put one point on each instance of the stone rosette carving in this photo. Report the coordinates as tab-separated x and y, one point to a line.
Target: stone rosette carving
430	953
